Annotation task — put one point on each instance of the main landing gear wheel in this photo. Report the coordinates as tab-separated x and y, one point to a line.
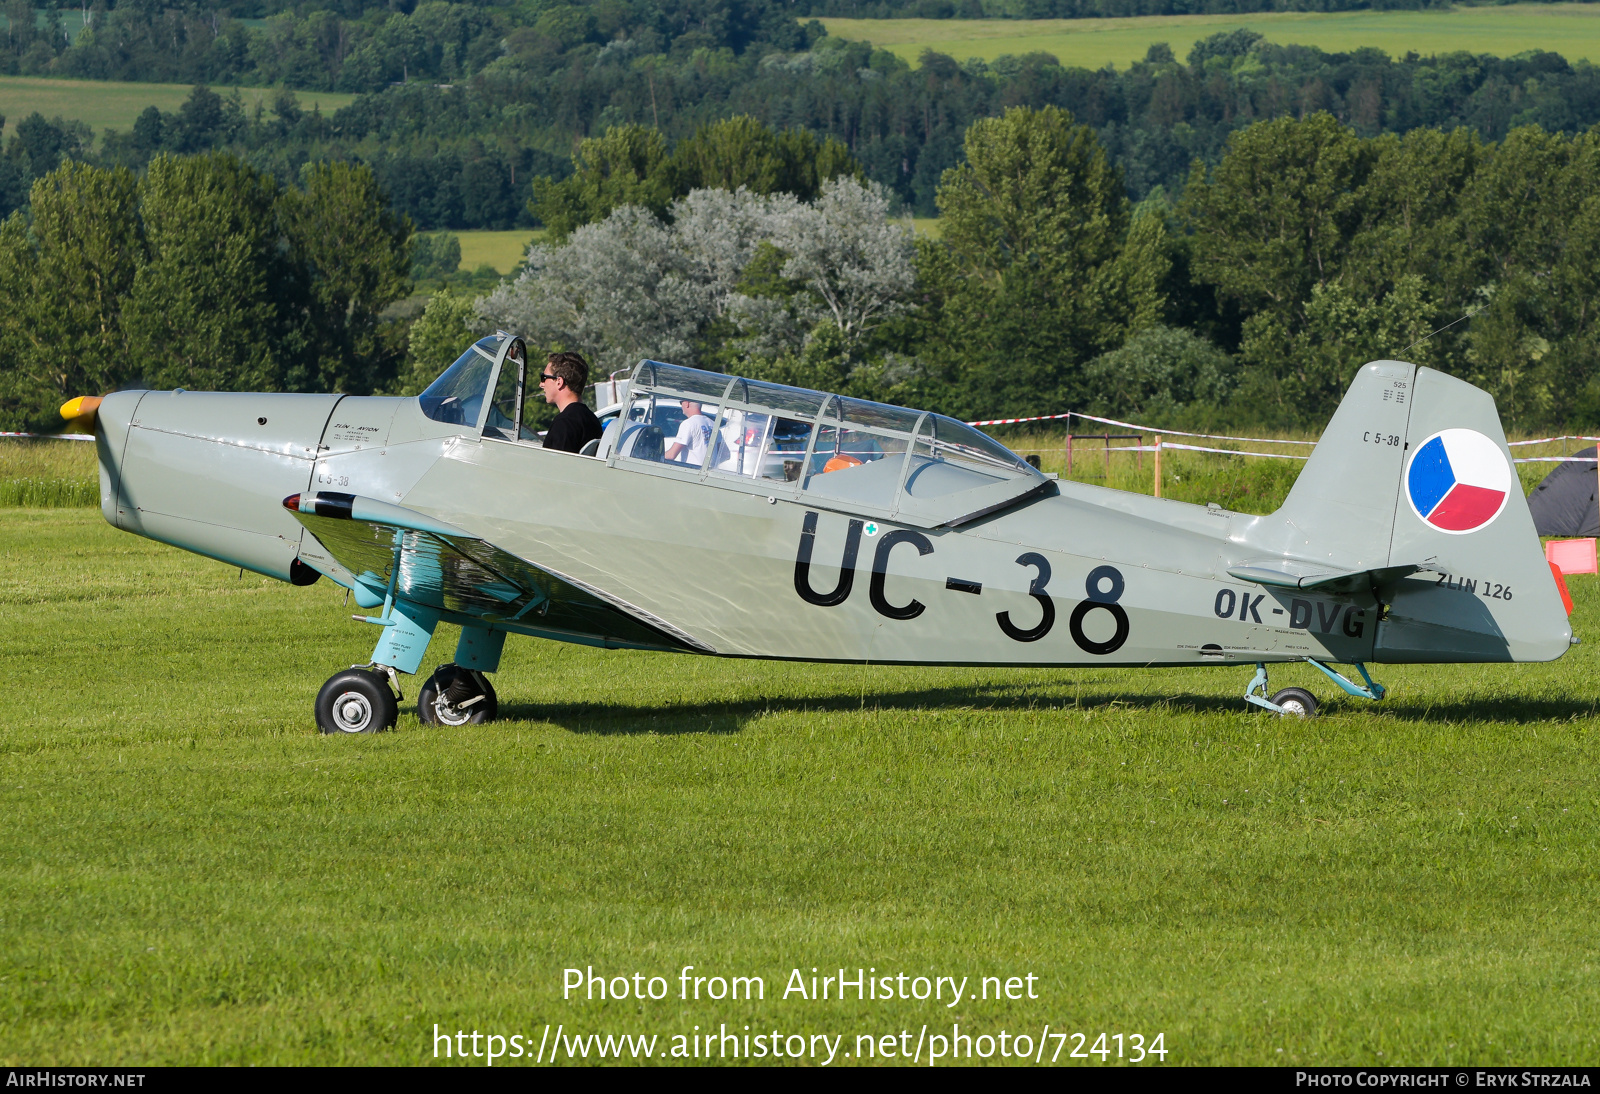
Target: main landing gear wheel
454	696
1297	702
356	701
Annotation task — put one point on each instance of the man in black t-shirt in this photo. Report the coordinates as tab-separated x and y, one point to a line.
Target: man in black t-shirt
562	382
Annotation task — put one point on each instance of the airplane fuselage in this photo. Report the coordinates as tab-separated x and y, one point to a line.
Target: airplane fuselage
1075	575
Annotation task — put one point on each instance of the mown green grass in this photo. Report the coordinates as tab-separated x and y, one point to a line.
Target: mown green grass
191	874
109	104
1573	30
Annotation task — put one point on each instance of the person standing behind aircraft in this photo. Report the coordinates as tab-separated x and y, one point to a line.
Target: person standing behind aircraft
562	382
693	436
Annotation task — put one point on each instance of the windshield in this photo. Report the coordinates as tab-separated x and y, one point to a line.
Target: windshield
457	396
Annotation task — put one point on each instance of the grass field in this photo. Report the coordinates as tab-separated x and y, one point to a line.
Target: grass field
191	874
1573	30
105	104
504	251
47	474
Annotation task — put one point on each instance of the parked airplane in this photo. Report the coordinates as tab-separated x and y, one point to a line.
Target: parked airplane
824	528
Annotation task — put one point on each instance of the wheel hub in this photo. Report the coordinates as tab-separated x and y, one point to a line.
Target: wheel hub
448	714
352	712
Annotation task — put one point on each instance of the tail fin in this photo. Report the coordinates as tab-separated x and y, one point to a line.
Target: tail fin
1413	470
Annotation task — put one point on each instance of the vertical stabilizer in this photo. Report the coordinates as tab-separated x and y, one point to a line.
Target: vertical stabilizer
1341	510
1413	470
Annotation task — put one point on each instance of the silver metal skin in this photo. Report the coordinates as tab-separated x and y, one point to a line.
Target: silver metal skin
907	555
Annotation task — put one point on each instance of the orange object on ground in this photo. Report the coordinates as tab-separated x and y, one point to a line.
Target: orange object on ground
1572	556
1561	586
839	463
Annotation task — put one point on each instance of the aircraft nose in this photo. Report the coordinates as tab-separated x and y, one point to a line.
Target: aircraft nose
80	412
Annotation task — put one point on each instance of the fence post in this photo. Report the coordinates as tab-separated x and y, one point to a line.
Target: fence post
1158	465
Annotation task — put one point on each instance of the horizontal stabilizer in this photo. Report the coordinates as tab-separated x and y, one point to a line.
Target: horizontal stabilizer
445	567
1288	573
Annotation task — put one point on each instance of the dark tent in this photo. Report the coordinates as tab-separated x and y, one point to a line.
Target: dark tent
1564	503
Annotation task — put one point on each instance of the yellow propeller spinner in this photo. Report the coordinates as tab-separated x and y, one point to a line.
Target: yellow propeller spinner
80	412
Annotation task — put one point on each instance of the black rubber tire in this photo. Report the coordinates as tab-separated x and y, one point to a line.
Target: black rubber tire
356	701
1297	702
431	712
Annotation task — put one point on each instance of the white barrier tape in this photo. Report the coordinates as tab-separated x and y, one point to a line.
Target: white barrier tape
53	436
1555	459
1226	451
1131	425
1037	418
1550	440
1181	433
1164	446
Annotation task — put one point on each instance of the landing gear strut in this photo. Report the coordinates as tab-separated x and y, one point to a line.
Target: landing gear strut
1300	703
455	696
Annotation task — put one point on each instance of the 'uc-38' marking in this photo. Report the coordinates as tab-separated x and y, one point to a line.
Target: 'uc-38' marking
1035	590
847	565
1104	587
1103	599
880	568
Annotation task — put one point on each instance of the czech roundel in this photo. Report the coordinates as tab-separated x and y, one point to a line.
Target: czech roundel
1458	481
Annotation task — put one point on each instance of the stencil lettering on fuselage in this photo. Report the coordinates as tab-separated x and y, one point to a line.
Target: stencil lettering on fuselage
1303	615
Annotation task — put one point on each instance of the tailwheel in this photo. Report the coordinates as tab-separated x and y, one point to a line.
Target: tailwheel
1296	702
454	696
356	701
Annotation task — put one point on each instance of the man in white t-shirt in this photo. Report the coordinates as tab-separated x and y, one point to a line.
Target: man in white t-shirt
694	435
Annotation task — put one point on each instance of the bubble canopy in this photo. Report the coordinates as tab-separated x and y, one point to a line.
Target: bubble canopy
948	436
832	450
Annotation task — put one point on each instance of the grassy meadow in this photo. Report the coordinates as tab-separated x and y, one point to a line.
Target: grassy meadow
502	251
192	874
1573	30
47	474
108	104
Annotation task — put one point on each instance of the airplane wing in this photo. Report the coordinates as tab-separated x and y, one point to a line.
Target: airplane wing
448	568
1288	573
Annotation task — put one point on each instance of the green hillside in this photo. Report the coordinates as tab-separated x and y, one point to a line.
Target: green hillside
112	105
1573	30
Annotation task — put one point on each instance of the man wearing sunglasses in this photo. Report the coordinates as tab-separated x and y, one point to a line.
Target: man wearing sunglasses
562	382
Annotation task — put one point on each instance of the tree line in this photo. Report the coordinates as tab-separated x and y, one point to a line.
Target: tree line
204	273
1306	250
465	154
354	45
